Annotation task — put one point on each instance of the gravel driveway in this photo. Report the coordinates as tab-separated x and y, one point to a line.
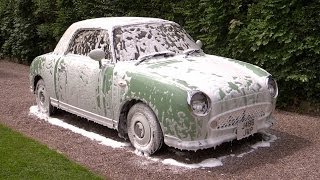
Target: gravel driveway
294	155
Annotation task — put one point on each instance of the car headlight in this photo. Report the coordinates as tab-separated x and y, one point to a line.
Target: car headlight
272	87
199	103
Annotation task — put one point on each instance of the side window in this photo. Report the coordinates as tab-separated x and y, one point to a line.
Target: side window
86	40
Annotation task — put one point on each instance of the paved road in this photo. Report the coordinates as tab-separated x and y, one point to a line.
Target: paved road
294	155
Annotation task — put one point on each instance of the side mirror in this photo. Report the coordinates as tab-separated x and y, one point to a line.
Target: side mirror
97	54
199	43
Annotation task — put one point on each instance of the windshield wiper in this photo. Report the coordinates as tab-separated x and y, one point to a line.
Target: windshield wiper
156	54
192	51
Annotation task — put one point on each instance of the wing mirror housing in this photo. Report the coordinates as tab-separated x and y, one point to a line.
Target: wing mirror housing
199	43
98	55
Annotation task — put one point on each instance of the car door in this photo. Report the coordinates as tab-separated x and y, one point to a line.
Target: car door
82	87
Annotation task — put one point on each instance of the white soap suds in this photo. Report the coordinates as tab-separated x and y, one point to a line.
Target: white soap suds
268	138
245	153
207	163
261	144
91	135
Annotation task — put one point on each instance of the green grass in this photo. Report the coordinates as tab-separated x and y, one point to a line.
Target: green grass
24	158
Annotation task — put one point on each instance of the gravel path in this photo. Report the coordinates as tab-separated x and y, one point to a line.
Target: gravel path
294	155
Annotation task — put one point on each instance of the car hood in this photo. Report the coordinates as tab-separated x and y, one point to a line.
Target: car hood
218	77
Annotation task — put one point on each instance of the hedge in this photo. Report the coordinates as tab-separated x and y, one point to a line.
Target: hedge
281	36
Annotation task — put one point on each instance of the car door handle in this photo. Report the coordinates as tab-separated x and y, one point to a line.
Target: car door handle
61	68
122	83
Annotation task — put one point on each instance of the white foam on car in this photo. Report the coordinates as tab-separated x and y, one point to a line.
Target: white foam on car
91	135
207	163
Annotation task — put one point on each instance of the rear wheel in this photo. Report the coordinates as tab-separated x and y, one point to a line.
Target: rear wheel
43	99
144	130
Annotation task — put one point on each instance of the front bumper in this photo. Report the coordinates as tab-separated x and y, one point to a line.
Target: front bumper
225	119
215	138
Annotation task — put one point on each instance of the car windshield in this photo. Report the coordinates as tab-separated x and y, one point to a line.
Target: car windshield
133	41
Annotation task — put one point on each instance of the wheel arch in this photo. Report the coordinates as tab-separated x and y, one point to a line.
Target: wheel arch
122	120
35	81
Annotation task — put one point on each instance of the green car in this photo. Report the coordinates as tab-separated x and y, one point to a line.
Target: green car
151	81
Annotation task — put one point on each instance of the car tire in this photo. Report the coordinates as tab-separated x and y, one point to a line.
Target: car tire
144	130
43	99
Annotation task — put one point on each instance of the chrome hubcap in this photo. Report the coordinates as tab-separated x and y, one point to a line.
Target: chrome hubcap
41	97
139	129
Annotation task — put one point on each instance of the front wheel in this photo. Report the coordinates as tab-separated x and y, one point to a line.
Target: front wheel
144	131
43	99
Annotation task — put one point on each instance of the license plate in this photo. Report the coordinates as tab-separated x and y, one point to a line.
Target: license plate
246	128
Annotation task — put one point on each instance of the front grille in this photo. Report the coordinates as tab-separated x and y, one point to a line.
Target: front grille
234	117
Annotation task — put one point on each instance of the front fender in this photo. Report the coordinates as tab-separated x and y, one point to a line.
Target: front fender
36	69
169	103
43	67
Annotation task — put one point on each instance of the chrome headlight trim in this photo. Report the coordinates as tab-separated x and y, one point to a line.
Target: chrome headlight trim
272	87
199	103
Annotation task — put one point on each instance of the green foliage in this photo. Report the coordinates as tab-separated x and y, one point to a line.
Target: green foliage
18	30
281	36
23	158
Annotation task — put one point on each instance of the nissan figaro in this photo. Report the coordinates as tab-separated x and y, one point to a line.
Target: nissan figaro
148	79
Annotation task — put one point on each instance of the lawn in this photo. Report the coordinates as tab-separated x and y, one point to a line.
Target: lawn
24	158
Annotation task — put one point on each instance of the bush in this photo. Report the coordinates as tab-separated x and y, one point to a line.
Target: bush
278	35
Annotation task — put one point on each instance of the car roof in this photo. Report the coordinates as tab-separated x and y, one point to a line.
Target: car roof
107	23
110	22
